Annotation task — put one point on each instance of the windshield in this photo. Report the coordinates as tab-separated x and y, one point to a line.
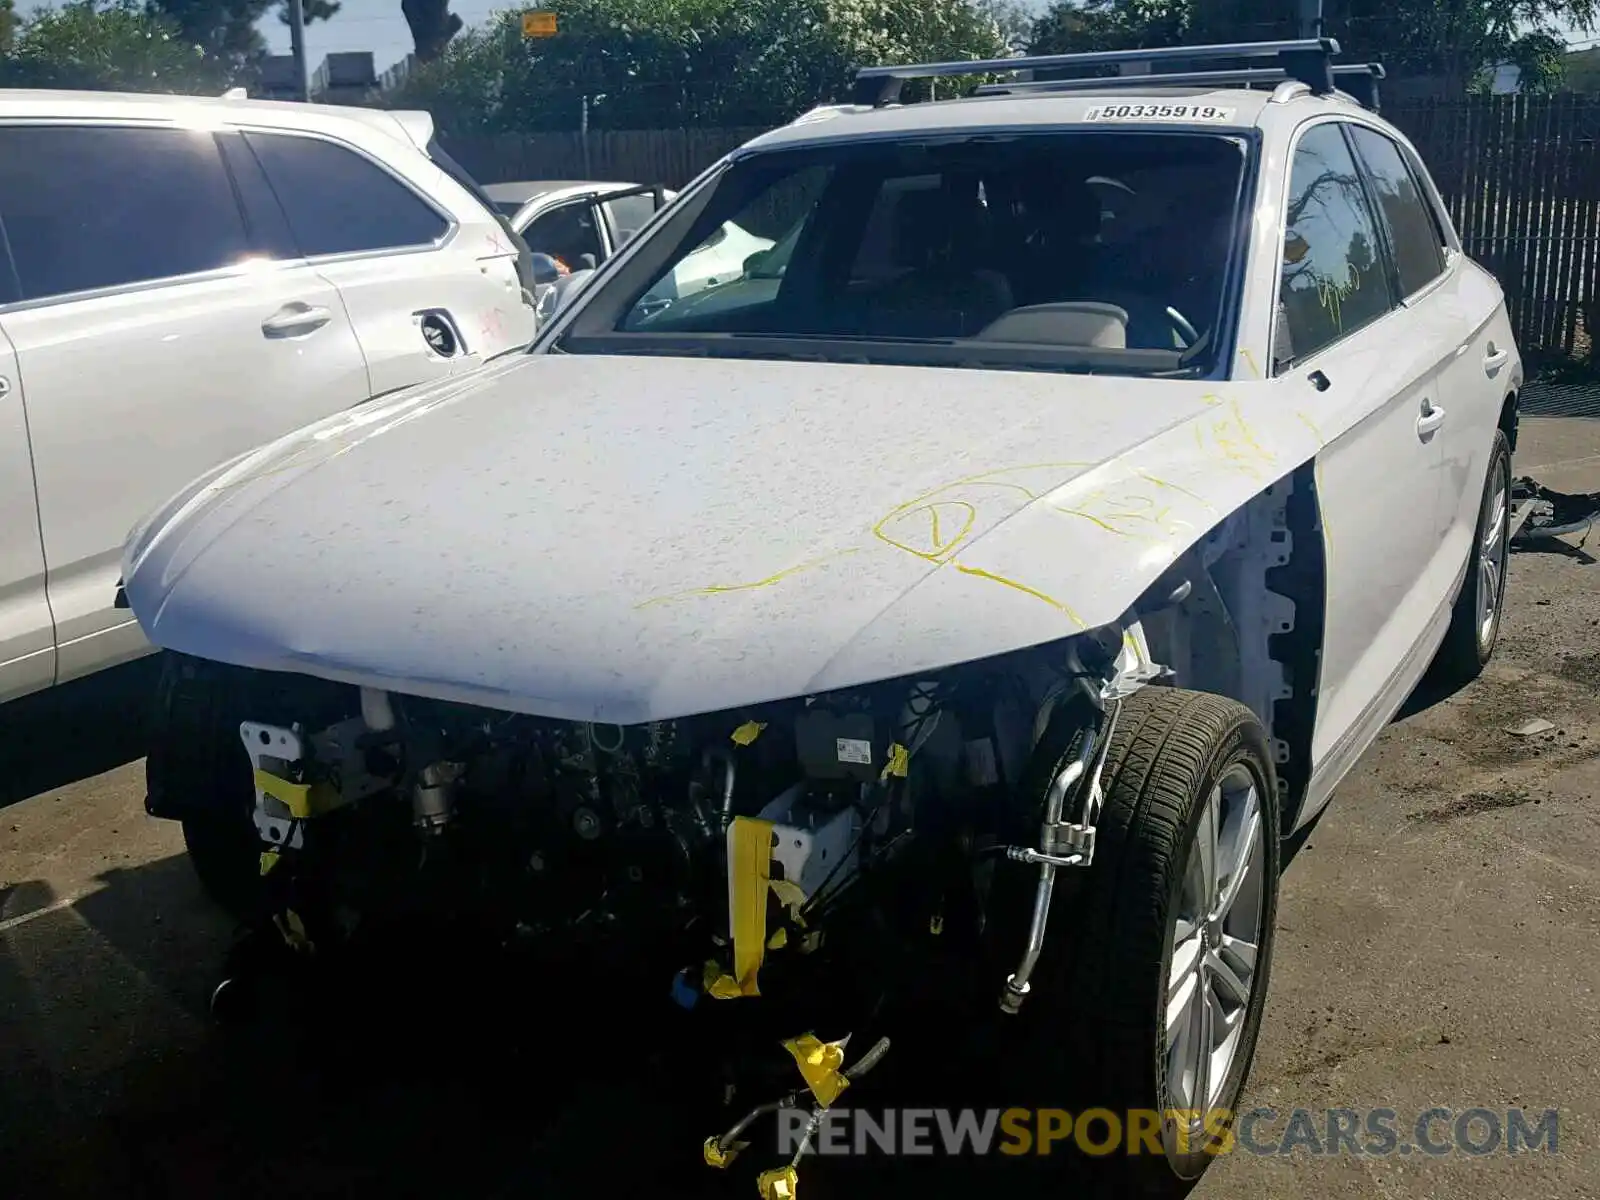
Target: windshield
1110	249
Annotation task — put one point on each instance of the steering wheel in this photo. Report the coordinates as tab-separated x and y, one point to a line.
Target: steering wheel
1183	325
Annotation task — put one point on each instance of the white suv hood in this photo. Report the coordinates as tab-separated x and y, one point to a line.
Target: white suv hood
639	538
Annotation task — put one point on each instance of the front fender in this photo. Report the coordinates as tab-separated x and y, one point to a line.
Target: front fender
1083	554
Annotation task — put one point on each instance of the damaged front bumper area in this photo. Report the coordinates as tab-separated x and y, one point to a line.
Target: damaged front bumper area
814	854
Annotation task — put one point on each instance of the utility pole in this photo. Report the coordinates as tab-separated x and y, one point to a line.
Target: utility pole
297	47
1310	18
583	132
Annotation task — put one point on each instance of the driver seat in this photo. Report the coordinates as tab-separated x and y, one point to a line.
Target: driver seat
940	297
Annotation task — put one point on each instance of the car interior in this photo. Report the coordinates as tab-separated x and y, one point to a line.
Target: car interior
568	232
1106	240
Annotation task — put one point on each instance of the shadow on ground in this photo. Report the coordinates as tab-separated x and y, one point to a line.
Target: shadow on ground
481	1079
83	728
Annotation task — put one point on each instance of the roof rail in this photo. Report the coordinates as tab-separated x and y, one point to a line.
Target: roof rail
1358	81
1306	60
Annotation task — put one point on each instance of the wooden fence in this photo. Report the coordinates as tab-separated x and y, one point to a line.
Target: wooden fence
1521	176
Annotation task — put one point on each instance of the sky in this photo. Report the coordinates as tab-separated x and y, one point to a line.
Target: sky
374	25
377	25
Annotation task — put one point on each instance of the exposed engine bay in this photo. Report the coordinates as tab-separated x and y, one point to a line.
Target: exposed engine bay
740	834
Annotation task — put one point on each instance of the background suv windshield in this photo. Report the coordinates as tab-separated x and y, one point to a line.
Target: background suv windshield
1111	241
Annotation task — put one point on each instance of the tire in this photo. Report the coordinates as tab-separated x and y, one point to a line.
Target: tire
1474	630
197	770
1100	999
225	852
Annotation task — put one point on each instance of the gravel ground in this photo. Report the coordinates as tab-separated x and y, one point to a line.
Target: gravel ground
1437	946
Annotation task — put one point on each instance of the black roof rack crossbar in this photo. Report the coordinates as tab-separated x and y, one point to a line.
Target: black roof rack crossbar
1306	60
1358	81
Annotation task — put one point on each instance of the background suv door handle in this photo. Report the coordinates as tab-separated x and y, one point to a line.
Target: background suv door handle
1494	360
295	319
1430	419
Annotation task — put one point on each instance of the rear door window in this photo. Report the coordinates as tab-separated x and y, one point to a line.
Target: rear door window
339	202
1417	240
90	207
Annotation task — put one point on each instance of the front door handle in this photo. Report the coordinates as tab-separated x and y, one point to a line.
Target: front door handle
296	319
1494	360
1430	419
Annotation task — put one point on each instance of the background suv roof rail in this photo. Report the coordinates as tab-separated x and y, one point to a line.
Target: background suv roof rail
1306	60
1358	81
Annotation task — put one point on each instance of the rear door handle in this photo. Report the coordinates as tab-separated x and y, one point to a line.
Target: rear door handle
1430	419
1494	360
295	319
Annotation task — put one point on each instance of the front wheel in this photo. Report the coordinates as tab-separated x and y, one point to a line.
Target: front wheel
1160	976
1474	630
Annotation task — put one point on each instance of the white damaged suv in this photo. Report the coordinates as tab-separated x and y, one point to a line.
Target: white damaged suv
961	616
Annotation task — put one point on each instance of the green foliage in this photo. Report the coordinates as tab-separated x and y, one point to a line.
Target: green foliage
227	28
118	47
178	46
670	63
1457	41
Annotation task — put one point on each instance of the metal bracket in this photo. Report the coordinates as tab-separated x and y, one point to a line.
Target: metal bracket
274	753
1072	843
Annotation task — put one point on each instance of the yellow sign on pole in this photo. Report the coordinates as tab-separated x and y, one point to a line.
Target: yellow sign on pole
538	24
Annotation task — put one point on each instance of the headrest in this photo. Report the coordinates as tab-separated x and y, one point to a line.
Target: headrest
928	223
1065	323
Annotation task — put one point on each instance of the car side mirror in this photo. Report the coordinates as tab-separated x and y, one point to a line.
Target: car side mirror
754	262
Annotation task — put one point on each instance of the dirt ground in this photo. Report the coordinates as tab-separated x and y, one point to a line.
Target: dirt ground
1437	945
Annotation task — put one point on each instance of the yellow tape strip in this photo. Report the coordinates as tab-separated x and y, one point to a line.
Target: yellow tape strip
716	1156
749	875
899	764
296	797
303	800
780	1183
821	1065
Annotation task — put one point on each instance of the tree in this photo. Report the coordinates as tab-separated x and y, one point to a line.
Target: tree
8	25
1012	18
645	64
1458	42
120	46
432	26
227	29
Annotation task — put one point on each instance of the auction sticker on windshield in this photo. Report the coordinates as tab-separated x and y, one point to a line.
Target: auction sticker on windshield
1158	112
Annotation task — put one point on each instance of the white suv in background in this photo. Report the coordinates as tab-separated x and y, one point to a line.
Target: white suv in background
183	279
